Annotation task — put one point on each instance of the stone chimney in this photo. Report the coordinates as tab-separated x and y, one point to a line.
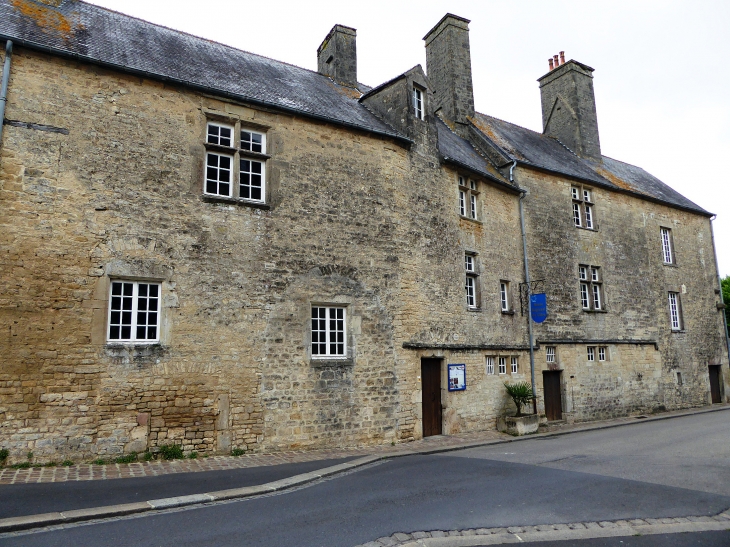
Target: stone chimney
337	56
569	106
448	63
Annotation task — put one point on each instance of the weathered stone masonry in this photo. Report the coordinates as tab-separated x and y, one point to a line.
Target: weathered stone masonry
101	172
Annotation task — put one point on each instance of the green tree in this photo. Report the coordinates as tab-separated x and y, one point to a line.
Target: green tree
725	282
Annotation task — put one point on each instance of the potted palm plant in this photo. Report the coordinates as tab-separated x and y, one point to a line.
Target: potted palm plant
519	424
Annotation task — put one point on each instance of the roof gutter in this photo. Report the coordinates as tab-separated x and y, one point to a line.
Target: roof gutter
523	193
206	89
4	85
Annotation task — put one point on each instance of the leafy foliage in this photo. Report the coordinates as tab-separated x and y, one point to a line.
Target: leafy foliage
4	453
521	393
238	452
127	458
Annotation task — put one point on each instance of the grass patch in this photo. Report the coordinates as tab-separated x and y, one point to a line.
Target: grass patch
67	463
51	464
127	458
171	452
148	456
193	456
24	465
4	453
238	452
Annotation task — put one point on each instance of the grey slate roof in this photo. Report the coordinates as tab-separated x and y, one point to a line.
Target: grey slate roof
532	148
106	37
460	152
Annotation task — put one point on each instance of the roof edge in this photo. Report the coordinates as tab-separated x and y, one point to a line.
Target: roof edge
617	189
484	174
159	77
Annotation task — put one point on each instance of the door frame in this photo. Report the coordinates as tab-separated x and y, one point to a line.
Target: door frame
436	414
559	375
716	372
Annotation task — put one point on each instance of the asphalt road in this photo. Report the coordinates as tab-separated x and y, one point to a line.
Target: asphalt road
670	468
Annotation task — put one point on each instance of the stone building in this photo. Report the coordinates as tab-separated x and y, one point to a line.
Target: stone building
207	247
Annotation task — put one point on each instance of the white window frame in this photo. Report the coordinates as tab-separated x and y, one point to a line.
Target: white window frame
675	311
502	365
328	332
514	364
550	354
490	366
504	295
591	353
418	103
135	310
245	151
601	353
471	283
667	247
468	200
591	288
583	216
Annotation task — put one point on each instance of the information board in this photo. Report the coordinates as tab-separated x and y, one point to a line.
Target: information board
457	377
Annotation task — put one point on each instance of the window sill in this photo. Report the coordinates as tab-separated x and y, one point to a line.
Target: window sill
588	229
127	345
474	220
595	311
680	331
234	201
475	310
324	362
508	312
670	265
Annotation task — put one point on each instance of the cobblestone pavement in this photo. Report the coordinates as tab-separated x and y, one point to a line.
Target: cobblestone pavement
514	534
86	472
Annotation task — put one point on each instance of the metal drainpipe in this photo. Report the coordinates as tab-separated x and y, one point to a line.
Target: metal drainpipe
523	193
719	284
4	86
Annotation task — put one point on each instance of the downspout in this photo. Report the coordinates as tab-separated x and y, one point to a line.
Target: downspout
719	284
4	85
523	193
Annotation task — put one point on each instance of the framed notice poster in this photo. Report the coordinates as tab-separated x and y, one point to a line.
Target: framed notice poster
457	377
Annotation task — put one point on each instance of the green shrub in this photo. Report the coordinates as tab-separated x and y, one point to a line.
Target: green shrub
51	464
148	456
521	394
238	452
67	463
24	465
4	453
193	455
127	458
30	456
100	461
171	452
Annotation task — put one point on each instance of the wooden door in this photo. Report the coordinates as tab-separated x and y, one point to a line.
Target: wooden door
552	392
431	400
715	383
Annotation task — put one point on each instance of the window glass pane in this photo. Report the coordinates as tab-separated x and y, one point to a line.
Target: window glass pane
251	180
576	214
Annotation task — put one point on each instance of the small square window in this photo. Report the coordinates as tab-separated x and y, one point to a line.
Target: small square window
602	353
252	141
134	312
591	353
503	365
219	134
490	365
514	364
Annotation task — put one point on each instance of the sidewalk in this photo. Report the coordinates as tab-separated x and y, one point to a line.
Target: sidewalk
85	497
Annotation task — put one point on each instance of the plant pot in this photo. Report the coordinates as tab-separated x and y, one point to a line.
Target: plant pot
518	426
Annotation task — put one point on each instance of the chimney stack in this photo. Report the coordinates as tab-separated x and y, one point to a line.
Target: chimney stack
569	107
337	56
448	63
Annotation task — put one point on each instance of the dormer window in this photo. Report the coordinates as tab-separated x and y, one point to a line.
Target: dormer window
583	207
468	192
418	103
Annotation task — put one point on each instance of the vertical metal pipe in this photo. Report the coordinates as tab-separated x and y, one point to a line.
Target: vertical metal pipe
719	285
4	85
529	290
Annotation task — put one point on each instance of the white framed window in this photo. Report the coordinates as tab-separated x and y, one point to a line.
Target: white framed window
504	295
583	216
602	353
329	331
134	312
675	311
235	168
418	103
503	365
591	353
468	198
472	281
514	365
667	246
550	354
591	287
490	365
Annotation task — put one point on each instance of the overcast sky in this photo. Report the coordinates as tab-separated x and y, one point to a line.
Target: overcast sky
662	76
